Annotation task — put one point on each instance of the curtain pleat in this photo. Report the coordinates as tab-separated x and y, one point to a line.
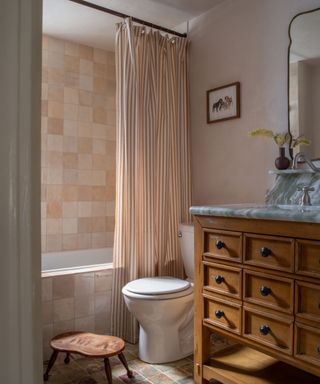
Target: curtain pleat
153	183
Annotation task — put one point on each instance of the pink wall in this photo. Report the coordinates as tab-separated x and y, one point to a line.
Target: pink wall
242	41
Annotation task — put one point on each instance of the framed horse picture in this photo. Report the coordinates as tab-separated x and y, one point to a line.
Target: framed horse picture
223	103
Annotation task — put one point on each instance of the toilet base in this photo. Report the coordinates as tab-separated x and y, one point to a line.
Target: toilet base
165	347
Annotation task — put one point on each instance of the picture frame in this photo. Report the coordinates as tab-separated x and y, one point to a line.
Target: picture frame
223	103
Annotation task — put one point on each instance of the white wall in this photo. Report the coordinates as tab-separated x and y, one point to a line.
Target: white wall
246	41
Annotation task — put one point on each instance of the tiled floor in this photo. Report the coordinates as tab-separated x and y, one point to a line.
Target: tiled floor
82	370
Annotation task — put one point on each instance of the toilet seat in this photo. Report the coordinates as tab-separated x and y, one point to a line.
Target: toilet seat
158	288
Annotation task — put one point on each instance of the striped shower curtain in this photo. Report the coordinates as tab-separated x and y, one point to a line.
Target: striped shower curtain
153	188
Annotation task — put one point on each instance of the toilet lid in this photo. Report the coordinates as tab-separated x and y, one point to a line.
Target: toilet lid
157	285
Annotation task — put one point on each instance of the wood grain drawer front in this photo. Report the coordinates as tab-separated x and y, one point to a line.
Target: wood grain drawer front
222	314
222	279
307	344
223	245
269	251
308	258
268	290
268	329
308	300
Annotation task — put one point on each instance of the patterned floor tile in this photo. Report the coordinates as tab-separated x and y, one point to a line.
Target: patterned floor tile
82	370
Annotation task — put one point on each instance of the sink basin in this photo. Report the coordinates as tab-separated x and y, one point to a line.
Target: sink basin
300	208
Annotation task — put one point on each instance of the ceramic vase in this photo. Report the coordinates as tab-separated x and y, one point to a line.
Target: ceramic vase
282	162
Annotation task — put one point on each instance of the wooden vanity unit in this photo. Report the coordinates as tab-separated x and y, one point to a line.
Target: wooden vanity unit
257	282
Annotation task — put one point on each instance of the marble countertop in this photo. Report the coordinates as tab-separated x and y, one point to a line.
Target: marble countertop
260	211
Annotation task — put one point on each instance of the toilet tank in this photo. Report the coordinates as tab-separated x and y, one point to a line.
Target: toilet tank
186	235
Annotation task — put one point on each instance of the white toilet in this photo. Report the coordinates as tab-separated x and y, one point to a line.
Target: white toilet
163	307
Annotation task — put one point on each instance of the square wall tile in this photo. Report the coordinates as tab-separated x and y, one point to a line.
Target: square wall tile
63	287
63	309
84	284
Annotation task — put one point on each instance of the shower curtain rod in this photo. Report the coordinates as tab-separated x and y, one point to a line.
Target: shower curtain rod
122	15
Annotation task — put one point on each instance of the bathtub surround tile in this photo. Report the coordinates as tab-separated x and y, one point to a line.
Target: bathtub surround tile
69	193
70	127
71	95
54	176
85	241
63	287
84	127
70	209
72	63
70	242
70	144
54	226
85	324
54	210
47	312
84	193
99	240
77	160
102	304
70	176
84	284
54	142
55	92
54	126
63	309
84	306
54	243
85	225
102	323
63	326
47	288
103	281
70	160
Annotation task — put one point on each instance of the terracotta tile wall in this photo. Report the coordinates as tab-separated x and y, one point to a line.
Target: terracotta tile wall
78	146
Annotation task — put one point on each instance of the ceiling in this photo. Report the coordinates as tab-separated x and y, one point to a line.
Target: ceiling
70	21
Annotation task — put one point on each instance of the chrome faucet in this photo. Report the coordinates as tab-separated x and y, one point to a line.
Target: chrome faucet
305	198
302	156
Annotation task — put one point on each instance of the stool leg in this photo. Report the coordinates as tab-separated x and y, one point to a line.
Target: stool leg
107	368
67	358
124	362
50	364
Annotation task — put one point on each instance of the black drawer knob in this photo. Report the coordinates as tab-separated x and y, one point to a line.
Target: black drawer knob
265	252
220	244
264	329
318	348
265	291
219	313
219	279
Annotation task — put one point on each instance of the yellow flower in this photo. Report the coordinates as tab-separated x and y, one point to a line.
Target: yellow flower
261	132
279	138
300	140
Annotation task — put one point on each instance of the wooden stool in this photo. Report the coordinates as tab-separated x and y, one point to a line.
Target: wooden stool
89	345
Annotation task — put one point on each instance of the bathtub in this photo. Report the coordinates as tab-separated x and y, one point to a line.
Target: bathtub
80	261
76	293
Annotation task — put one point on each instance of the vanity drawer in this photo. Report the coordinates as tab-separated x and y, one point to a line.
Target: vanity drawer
223	314
269	252
268	290
222	279
224	245
307	300
308	258
268	329
307	344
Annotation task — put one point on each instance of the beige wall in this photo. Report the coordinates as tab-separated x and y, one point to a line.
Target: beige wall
242	41
78	146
